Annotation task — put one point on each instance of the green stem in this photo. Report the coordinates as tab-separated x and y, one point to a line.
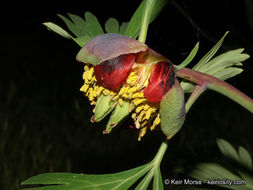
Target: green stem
198	90
160	153
149	4
218	86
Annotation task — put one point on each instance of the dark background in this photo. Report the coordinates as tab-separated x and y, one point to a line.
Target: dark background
44	119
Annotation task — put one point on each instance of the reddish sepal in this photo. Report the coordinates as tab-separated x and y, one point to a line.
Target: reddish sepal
113	72
160	81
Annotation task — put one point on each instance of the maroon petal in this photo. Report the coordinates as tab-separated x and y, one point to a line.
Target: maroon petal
113	72
160	81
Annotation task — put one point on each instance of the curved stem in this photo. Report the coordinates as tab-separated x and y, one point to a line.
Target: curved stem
218	86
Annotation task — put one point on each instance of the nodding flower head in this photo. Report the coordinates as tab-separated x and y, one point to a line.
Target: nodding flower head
123	76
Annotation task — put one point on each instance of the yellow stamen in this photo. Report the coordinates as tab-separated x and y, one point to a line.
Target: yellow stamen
120	102
142	133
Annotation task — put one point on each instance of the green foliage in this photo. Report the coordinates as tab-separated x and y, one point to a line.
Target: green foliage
189	58
134	25
224	66
89	27
213	171
112	26
121	180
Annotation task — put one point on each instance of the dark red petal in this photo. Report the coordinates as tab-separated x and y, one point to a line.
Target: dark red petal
113	72
160	81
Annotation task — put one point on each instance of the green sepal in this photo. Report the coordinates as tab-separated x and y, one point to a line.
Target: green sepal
172	110
103	107
118	114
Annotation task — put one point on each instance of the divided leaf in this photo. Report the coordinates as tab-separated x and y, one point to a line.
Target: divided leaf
223	67
83	29
70	181
112	26
228	150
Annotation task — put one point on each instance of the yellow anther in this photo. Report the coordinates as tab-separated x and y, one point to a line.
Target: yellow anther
106	92
90	94
148	114
144	123
123	90
93	103
137	124
131	107
134	116
84	88
142	133
146	107
90	74
132	90
138	101
140	117
139	108
120	102
98	91
157	120
115	98
86	68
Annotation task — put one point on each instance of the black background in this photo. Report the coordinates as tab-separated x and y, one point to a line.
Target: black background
40	98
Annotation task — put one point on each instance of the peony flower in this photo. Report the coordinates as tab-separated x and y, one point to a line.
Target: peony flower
124	76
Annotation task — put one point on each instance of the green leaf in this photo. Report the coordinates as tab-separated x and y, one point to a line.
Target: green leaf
210	54
84	30
247	178
228	150
133	27
172	110
123	27
158	181
143	185
93	24
57	29
112	26
77	30
79	25
223	67
212	171
189	57
70	181
205	171
245	157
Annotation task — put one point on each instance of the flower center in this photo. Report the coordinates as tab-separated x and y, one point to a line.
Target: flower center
145	113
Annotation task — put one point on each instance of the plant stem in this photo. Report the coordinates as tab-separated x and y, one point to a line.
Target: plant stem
149	4
198	90
160	153
217	85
